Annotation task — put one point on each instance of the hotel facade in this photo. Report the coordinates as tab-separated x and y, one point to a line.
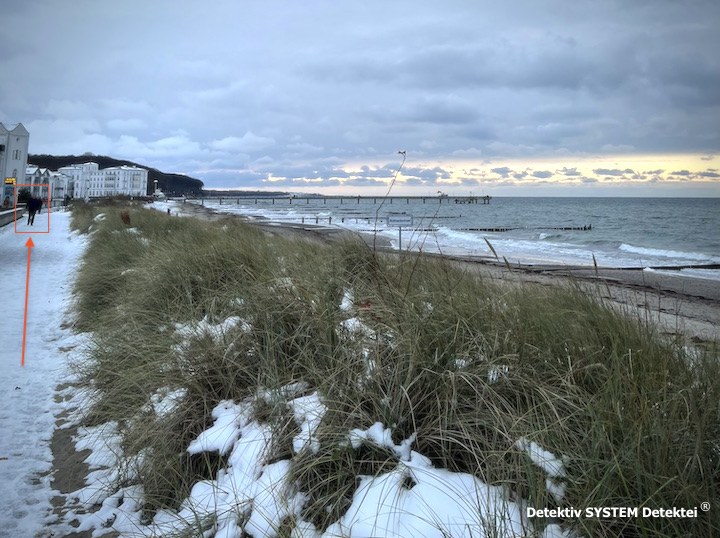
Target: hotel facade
90	182
14	145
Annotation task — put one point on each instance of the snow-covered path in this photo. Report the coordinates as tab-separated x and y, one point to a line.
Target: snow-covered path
27	406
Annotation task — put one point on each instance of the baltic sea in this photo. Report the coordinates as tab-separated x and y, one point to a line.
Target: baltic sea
675	234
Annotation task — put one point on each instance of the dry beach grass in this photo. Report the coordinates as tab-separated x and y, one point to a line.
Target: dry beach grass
467	356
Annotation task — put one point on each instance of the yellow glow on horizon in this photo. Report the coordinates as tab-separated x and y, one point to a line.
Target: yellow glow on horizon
625	173
638	162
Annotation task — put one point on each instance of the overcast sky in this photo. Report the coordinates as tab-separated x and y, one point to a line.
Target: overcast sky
525	97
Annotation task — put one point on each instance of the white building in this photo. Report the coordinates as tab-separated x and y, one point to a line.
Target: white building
91	182
48	185
37	177
14	145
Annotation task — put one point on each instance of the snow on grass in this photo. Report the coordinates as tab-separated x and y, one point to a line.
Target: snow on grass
216	331
416	499
347	301
230	418
548	462
253	495
497	372
308	411
354	327
165	401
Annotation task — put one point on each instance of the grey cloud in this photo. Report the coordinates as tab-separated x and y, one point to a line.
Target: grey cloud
427	174
569	172
248	143
609	172
503	171
544	174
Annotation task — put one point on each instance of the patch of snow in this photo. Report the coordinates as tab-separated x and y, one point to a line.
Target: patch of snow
497	372
347	301
415	499
165	401
221	436
548	462
309	412
216	331
354	326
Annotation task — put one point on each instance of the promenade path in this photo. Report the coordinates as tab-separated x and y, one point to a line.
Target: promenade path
28	408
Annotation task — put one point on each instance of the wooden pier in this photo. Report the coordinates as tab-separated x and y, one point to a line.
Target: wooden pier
346	199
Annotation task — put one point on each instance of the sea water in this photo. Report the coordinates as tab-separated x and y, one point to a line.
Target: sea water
672	234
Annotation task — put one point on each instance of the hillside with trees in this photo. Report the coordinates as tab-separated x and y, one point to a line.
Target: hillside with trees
171	184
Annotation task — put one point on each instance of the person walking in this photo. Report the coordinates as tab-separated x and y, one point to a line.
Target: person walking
33	204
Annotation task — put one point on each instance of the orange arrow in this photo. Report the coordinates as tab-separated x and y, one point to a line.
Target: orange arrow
29	245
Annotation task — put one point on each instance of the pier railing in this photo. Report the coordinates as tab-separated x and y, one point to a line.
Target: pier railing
485	200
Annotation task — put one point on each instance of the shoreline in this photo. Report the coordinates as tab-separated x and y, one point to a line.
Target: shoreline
676	304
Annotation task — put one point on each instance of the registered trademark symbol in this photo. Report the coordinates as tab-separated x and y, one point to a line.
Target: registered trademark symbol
705	506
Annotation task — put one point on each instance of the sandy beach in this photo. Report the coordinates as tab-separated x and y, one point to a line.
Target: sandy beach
675	304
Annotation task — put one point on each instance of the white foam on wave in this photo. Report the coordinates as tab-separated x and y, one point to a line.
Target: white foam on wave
658	253
705	274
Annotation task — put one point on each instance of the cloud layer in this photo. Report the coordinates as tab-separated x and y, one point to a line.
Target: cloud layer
254	94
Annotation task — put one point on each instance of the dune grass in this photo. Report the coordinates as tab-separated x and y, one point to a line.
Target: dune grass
467	365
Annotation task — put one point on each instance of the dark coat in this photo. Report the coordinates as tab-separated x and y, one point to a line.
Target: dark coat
34	204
